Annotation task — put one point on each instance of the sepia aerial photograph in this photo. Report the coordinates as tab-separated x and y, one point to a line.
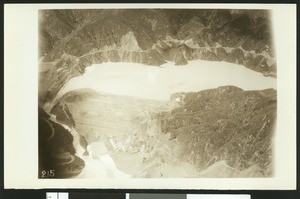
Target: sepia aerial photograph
156	93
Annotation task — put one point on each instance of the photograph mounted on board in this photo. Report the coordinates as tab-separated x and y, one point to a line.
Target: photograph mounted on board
156	93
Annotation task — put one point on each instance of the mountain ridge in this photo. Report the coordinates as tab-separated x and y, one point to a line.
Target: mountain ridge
71	40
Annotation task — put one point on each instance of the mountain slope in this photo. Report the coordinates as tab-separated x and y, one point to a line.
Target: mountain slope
71	40
97	116
223	130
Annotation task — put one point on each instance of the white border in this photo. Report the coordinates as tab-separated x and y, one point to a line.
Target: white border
218	196
20	104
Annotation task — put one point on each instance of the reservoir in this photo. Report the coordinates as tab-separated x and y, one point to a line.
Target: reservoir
153	82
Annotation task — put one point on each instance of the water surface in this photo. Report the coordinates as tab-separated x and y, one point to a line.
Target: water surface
139	80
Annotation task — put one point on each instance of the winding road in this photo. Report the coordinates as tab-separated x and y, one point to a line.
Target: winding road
69	158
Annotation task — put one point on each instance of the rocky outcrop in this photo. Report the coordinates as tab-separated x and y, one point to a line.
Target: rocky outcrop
63	114
224	124
57	157
71	40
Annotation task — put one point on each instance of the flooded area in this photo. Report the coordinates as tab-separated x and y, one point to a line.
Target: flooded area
139	80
